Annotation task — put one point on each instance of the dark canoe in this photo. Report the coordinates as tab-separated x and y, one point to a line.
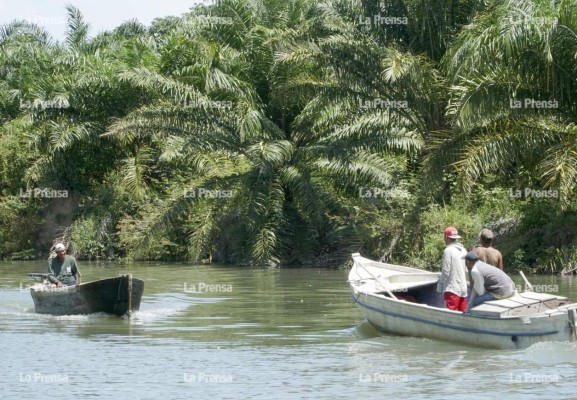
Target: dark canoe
119	296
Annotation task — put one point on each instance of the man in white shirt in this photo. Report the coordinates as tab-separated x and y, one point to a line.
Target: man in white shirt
453	280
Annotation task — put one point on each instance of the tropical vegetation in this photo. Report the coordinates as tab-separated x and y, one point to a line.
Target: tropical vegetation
294	132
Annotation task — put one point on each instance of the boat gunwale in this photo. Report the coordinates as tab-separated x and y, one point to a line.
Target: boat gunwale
74	288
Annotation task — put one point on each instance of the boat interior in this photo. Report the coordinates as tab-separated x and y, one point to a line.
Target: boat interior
415	286
521	304
425	294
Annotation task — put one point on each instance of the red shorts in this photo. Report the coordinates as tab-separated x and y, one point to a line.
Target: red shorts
455	302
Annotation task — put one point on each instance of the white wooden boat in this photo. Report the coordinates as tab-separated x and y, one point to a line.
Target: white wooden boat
404	300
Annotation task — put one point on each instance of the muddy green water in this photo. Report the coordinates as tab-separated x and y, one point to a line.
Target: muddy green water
214	332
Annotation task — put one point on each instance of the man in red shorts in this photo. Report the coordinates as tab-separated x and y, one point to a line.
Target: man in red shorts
453	280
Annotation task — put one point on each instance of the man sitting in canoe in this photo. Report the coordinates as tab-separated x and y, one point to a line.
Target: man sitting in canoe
488	282
62	268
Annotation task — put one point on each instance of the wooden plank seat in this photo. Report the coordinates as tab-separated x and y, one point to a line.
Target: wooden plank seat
521	304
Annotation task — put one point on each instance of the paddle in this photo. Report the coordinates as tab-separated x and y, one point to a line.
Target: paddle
379	282
43	276
40	275
528	286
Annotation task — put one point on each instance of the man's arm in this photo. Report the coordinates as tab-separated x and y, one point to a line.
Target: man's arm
50	269
51	275
477	288
470	300
445	269
76	272
478	282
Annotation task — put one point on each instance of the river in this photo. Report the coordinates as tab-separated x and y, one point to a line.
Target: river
220	332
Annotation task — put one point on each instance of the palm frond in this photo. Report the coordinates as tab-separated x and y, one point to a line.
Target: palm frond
135	171
77	29
270	155
14	29
559	165
360	169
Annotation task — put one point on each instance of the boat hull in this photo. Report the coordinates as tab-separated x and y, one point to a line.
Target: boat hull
416	309
409	319
119	296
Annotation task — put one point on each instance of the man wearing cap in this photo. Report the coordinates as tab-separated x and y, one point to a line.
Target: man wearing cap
486	252
453	280
488	283
62	268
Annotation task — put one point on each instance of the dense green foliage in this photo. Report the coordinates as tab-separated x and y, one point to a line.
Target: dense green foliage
277	132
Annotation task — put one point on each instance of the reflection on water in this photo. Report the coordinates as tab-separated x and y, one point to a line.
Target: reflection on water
227	332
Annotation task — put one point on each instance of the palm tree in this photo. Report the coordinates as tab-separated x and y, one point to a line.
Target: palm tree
20	45
286	157
59	97
513	97
433	25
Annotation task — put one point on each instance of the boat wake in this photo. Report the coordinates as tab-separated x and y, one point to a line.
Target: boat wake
551	353
163	305
153	308
150	315
365	330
